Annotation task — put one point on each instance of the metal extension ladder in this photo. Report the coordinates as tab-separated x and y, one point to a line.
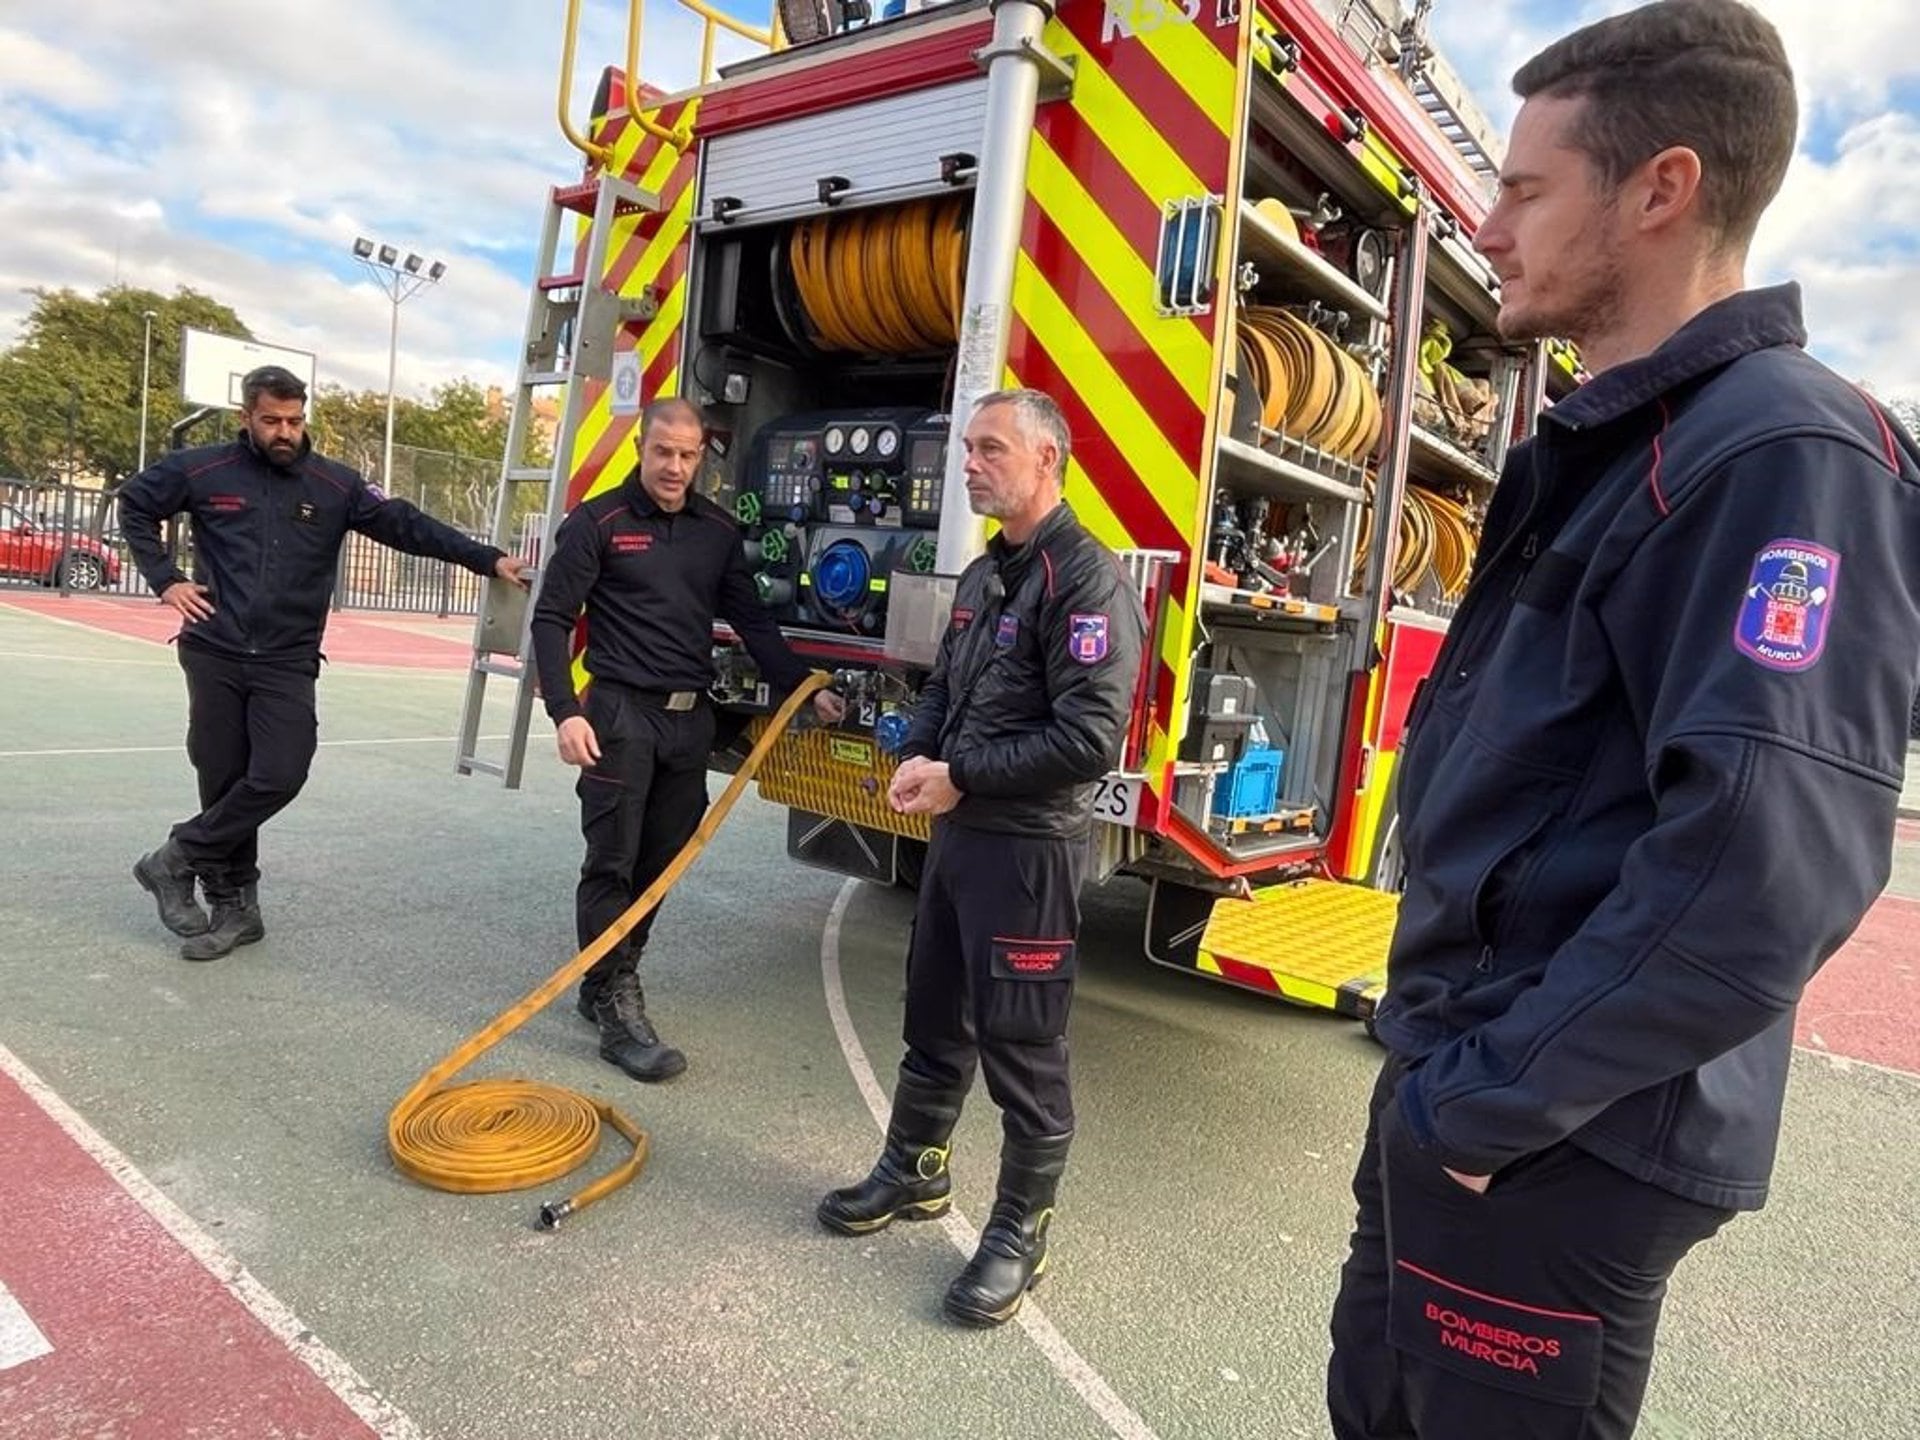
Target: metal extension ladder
571	323
1446	119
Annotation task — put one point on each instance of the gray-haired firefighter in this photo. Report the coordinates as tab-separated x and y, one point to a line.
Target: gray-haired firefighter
1027	707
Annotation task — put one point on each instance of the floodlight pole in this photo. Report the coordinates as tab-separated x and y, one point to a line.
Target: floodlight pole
393	362
146	371
400	284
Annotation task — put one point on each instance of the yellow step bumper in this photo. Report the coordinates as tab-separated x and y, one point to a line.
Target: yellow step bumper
1312	942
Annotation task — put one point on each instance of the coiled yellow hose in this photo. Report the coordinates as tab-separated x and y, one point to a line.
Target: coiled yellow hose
884	281
1435	533
508	1134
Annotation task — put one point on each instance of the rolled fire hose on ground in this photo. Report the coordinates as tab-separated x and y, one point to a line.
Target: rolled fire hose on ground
486	1136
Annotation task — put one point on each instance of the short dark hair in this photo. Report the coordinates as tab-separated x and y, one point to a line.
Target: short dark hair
1711	75
273	380
670	408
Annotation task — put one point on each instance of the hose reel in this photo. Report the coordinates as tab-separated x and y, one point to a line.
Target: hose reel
889	280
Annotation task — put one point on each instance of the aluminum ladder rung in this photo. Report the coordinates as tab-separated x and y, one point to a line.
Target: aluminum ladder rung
566	316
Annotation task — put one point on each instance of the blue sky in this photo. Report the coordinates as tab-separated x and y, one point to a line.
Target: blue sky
241	155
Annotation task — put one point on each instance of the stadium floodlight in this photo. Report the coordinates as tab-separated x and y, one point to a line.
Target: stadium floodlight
400	281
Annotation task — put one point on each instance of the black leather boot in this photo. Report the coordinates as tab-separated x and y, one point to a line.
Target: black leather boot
236	921
1013	1246
167	875
591	983
910	1180
627	1037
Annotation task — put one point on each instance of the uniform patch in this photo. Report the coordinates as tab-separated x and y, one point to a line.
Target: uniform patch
962	617
1007	631
1788	602
631	543
1017	958
1087	638
305	512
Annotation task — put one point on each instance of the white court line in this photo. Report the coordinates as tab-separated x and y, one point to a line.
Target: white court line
1067	1362
170	749
351	668
33	614
20	1338
169	662
333	1372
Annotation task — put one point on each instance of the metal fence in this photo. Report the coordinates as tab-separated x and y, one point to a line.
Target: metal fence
64	536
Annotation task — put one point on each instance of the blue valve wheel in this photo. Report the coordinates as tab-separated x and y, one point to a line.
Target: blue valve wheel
890	731
842	574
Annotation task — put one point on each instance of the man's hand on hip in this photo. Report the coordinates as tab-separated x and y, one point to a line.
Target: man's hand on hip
189	599
578	744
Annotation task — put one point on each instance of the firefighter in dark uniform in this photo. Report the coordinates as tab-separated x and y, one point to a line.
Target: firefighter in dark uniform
269	517
1027	707
652	564
1650	785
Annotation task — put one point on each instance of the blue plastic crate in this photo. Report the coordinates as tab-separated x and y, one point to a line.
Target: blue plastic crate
1252	786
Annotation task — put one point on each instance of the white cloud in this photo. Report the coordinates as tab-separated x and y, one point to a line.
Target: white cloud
136	149
31	68
1848	229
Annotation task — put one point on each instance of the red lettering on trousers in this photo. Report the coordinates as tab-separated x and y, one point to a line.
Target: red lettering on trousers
1033	960
1489	1354
1454	1327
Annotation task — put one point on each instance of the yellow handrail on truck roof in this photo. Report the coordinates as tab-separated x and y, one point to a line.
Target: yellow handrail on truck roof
712	21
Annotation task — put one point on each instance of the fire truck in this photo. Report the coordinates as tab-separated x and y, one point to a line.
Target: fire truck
1232	238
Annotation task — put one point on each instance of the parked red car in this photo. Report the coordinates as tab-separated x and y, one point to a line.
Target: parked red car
41	552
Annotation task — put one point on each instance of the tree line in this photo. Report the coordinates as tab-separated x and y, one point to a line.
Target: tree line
70	391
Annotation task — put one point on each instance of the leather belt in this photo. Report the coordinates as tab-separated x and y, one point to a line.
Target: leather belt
675	700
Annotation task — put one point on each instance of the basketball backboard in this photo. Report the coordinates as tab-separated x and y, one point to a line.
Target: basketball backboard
212	366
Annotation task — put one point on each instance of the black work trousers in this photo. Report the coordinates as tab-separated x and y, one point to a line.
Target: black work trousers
1526	1313
251	732
639	804
990	971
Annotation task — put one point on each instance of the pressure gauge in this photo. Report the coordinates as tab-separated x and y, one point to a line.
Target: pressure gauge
836	439
886	443
858	440
1370	262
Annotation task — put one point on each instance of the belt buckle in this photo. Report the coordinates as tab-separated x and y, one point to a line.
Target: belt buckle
683	699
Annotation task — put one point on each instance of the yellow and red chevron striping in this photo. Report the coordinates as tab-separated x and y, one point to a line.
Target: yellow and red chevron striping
1138	387
646	251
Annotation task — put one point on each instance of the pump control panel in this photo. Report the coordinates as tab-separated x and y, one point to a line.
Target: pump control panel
833	503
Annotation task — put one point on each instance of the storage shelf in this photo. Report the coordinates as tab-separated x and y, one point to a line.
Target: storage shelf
1249	467
1267	607
1289	825
1433	456
1262	241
